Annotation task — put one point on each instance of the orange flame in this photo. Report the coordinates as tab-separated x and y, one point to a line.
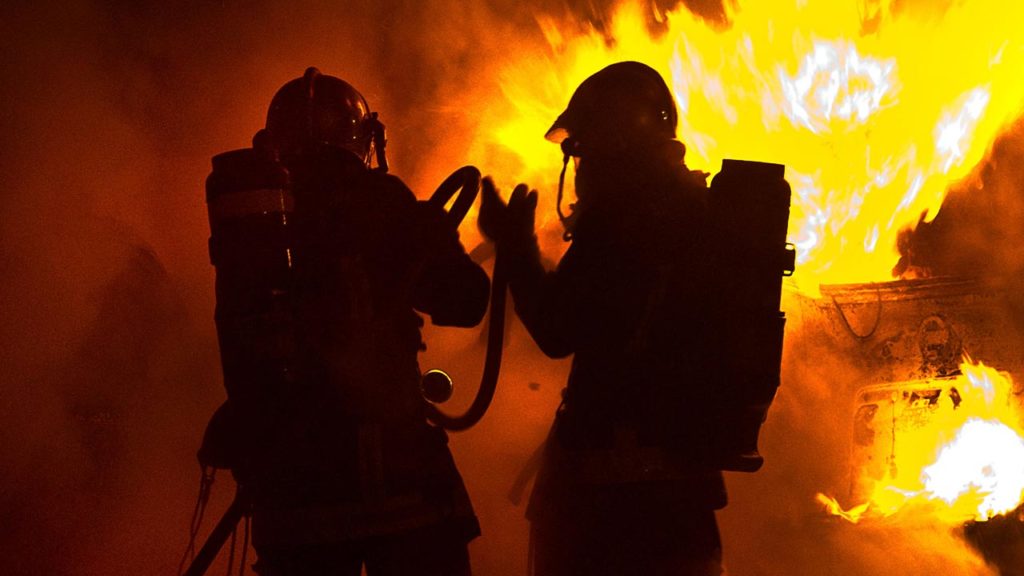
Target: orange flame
962	456
875	112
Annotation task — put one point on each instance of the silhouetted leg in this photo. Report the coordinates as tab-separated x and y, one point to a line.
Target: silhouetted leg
430	551
343	559
689	545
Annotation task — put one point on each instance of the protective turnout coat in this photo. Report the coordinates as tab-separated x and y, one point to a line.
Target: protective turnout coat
629	300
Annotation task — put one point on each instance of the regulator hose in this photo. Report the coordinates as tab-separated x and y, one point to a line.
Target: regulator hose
466	181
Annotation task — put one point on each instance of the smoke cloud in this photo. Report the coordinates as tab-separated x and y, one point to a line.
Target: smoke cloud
977	232
112	113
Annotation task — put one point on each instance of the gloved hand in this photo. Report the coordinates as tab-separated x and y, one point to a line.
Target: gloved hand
507	223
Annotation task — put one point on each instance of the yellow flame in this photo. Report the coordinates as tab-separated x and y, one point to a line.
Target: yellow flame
962	458
874	112
983	468
833	507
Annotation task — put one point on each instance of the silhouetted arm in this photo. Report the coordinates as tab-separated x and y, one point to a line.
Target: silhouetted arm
544	300
451	288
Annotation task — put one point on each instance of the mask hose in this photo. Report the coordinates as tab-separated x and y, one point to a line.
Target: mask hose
567	221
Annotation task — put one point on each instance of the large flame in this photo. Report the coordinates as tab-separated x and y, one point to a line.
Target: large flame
960	453
874	112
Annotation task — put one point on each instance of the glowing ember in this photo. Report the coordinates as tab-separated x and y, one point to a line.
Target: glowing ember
874	115
958	450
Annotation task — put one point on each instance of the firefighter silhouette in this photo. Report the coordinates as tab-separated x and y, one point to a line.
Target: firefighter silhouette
322	264
622	488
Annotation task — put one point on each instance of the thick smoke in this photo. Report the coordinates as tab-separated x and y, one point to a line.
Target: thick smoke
977	233
112	112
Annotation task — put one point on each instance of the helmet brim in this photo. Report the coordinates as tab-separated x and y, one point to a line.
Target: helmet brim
556	134
559	131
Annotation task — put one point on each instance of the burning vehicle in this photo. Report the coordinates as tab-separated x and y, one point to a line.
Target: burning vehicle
907	340
932	429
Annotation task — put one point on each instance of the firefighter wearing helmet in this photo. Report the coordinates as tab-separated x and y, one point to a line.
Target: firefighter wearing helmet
623	487
324	263
318	110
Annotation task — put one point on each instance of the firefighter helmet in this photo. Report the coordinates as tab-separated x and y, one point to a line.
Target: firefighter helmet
319	109
624	105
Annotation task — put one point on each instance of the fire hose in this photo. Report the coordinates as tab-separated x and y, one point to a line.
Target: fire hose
436	385
466	181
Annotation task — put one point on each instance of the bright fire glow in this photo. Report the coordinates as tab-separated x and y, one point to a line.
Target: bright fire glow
968	456
874	112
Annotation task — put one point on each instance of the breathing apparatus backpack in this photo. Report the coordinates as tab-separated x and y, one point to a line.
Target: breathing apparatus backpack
749	204
250	206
